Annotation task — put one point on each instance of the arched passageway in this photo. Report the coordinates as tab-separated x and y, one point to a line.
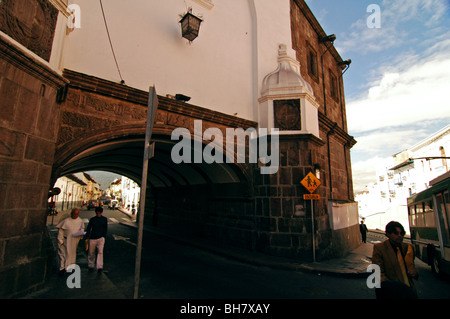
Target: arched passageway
212	201
125	155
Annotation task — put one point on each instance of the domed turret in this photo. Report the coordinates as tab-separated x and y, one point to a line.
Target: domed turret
287	100
285	77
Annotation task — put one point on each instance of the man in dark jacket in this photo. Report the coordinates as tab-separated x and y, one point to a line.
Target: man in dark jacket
363	230
95	235
396	261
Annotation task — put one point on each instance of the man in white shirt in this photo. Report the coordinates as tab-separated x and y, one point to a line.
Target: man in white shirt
71	230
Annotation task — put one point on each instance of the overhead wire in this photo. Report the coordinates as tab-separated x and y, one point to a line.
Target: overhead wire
110	43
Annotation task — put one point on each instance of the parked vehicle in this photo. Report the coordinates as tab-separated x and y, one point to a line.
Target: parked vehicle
429	222
93	203
113	203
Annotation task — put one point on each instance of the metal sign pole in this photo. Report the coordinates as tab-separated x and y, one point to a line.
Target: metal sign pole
312	231
311	183
148	153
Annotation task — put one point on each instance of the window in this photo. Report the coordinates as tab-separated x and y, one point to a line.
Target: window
412	215
333	86
428	213
444	160
312	64
419	215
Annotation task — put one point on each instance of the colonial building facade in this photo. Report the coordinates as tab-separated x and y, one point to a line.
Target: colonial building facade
74	191
74	93
406	173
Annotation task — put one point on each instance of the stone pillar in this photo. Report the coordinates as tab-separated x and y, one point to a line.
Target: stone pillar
283	217
29	116
308	141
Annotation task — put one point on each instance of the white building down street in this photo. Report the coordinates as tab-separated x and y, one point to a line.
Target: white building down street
130	194
407	173
76	189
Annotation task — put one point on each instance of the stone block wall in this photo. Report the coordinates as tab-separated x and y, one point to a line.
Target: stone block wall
29	115
222	213
31	23
306	34
283	217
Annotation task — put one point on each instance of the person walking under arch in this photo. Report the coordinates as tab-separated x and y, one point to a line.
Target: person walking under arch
363	230
71	230
96	235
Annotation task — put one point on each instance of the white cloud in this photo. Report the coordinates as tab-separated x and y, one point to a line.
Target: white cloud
429	12
398	111
404	70
364	172
365	40
404	105
388	141
392	33
417	94
376	149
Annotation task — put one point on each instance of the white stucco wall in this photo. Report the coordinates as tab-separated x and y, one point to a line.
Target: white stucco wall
222	69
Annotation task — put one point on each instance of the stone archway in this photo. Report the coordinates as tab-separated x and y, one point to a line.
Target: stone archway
103	127
196	199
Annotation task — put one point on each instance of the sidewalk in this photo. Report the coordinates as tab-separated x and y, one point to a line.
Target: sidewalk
98	286
94	285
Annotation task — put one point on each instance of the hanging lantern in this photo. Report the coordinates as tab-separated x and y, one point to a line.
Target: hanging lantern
190	25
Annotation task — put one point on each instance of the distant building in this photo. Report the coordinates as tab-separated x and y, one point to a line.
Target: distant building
130	193
408	172
76	189
126	191
115	189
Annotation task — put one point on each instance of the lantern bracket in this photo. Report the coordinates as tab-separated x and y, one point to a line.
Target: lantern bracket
190	25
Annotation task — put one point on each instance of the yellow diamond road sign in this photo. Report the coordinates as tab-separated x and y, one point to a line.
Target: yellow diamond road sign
310	182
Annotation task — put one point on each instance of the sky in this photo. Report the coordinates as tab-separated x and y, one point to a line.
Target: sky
103	178
398	84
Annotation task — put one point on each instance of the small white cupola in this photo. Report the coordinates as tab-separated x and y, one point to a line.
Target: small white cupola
287	100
